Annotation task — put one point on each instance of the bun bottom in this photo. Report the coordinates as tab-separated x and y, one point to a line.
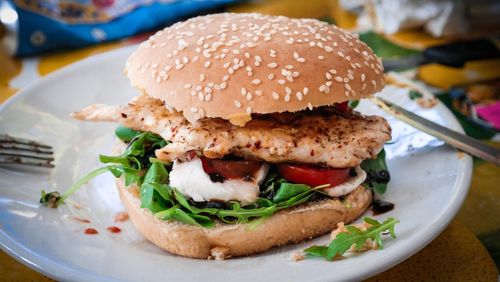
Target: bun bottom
231	240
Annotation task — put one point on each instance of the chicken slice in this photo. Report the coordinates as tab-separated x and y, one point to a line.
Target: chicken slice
316	138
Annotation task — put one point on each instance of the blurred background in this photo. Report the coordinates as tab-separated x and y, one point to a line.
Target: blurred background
449	48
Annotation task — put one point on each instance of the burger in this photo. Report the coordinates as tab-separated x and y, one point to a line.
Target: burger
242	137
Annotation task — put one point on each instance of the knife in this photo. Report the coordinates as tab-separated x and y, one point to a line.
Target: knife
454	55
453	138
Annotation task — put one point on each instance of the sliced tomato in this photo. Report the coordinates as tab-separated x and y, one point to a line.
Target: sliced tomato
230	168
343	107
313	175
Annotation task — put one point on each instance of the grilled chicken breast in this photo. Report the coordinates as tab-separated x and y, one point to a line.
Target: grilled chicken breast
316	138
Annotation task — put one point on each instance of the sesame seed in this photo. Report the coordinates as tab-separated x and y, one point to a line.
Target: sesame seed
207	64
289	67
247	55
276	96
258	59
296	55
321	57
200	96
256	81
322	88
194	110
243	91
327	89
301	60
306	90
340	54
272	65
185	60
237	104
281	81
295	74
287	97
288	90
249	110
258	92
328	49
333	71
193	93
223	85
230	70
178	67
208	97
249	96
328	76
347	86
202	77
310	106
299	96
257	63
270	76
187	85
225	78
328	83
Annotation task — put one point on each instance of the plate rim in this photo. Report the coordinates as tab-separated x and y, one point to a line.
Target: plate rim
57	271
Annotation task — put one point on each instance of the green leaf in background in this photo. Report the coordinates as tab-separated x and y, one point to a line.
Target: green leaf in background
383	47
415	94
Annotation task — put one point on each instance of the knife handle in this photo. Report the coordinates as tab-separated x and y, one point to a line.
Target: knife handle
456	54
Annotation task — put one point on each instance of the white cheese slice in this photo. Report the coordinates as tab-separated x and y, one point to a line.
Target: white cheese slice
192	181
348	186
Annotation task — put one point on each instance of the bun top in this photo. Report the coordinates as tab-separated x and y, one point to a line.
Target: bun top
232	65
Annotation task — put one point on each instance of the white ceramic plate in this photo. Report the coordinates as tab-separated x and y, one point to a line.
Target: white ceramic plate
429	183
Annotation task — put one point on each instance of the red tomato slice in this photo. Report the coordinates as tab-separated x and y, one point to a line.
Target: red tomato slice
229	168
313	175
343	107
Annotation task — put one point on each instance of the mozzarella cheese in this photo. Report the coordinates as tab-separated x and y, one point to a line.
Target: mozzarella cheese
348	186
192	181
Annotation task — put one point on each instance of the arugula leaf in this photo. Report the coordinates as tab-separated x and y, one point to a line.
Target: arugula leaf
355	237
152	190
288	190
126	134
377	173
353	103
316	251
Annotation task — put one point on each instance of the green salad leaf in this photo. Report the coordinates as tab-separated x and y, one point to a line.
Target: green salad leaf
354	236
377	173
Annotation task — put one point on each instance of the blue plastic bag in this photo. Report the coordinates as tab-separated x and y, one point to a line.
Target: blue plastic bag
36	26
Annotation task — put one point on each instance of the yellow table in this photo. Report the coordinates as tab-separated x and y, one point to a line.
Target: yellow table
456	255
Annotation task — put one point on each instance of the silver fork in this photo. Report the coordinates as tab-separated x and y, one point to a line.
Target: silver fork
20	151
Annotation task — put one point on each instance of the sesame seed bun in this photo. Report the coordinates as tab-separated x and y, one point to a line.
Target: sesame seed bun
232	65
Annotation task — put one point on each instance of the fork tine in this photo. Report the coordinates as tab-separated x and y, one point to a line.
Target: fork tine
5	138
24	148
20	160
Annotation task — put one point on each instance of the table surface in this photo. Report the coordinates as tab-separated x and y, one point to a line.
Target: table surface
463	251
